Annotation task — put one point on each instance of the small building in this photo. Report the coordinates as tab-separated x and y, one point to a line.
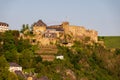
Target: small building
3	27
60	57
14	67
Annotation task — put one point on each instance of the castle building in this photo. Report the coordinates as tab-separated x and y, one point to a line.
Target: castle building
41	29
3	27
46	34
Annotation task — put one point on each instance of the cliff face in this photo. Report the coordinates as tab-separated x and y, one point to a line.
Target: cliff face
46	35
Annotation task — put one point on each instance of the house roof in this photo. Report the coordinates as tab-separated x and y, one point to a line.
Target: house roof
39	23
56	27
12	64
19	73
5	24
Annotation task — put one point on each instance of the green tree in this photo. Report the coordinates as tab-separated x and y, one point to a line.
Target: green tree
8	41
117	51
3	68
12	76
12	55
22	45
38	67
26	58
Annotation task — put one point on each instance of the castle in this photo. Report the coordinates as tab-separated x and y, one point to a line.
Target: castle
46	36
64	33
3	27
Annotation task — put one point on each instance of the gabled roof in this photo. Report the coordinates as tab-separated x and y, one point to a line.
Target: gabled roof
12	64
5	24
39	23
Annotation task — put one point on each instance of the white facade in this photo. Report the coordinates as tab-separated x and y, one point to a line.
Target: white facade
60	57
3	27
13	69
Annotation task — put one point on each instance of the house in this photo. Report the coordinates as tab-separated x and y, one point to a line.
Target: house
14	67
21	74
60	57
3	27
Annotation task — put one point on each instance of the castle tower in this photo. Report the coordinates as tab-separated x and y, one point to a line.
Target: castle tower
65	26
39	27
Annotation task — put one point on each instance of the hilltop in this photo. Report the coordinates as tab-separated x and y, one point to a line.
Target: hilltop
62	33
70	58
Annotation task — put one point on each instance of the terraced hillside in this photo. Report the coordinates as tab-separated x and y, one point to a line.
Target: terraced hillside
47	52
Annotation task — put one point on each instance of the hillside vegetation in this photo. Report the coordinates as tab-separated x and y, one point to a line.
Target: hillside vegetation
81	61
111	41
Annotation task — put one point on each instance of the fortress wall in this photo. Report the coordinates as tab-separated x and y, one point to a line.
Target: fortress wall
72	29
80	31
92	34
95	35
38	29
76	30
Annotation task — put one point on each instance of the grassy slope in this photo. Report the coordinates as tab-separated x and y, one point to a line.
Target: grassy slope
111	41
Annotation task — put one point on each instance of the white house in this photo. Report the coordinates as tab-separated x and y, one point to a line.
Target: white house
60	57
3	27
14	67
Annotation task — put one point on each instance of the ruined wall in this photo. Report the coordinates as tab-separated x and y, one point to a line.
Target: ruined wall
92	34
80	32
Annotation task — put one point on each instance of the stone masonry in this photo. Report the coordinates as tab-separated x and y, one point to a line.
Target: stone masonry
46	35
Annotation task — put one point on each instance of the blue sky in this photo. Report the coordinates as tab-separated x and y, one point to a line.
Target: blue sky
101	15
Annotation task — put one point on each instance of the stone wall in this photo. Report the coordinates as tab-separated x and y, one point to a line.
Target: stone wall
77	33
80	31
37	30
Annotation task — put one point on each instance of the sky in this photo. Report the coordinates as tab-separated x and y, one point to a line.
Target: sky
100	15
